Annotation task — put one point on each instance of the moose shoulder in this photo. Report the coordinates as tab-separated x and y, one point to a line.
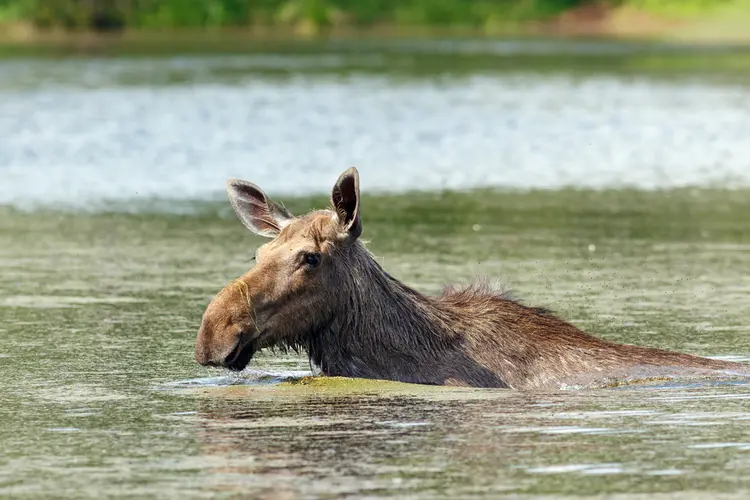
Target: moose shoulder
315	287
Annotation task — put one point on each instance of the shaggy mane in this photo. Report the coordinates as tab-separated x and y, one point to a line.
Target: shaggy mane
482	290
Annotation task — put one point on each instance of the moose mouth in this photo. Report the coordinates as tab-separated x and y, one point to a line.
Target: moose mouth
240	356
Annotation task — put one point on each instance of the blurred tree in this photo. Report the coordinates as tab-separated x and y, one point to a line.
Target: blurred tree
116	14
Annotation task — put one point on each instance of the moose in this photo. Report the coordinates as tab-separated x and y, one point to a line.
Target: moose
316	288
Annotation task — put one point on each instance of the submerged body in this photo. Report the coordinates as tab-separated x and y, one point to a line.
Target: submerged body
315	287
480	338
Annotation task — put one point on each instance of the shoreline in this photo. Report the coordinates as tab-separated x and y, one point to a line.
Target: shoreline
217	205
623	24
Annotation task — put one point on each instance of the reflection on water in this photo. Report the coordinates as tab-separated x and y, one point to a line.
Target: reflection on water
245	377
452	444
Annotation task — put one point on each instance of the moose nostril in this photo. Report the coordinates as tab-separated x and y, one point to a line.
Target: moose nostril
205	361
200	357
203	356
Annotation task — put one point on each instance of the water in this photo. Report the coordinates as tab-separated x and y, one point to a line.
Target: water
86	132
112	241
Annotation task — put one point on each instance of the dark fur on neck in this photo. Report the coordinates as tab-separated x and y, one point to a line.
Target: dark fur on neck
474	336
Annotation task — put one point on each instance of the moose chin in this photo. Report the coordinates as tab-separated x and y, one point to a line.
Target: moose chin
316	288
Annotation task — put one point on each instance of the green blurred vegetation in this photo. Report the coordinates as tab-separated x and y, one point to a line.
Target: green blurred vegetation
103	14
483	14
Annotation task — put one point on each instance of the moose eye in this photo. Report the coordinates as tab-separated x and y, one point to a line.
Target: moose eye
312	259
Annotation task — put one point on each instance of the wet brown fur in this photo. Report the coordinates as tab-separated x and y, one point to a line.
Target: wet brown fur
355	320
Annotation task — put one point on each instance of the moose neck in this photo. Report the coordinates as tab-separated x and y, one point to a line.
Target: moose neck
381	328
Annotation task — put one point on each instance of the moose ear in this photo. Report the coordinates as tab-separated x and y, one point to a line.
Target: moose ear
259	214
345	199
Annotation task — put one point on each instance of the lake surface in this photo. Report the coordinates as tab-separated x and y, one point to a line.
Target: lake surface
546	115
115	234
